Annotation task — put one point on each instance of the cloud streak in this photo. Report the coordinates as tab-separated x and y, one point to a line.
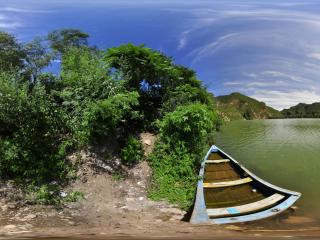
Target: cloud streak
268	51
281	99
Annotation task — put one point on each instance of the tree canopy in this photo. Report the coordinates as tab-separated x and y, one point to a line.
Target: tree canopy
99	95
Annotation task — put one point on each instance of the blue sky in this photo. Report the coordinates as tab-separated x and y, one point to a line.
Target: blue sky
269	50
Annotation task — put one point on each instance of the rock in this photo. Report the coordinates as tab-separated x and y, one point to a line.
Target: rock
176	218
63	194
4	208
129	199
30	216
175	211
234	228
141	198
12	206
10	227
147	142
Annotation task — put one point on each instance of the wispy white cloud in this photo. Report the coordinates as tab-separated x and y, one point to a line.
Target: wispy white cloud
236	83
8	23
315	55
275	51
23	10
183	40
284	99
210	48
285	76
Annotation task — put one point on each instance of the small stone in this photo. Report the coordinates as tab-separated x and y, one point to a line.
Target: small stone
234	228
30	216
63	194
12	206
141	198
176	218
4	208
129	199
147	142
10	227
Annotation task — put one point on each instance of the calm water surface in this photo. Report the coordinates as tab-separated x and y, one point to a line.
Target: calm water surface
283	152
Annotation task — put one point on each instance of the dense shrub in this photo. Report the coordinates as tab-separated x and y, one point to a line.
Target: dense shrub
184	136
191	124
132	152
174	174
103	118
31	143
185	94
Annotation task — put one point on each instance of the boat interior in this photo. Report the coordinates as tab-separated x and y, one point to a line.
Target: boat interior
230	191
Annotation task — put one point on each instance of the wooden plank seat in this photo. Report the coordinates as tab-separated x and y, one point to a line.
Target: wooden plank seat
247	208
218	161
228	183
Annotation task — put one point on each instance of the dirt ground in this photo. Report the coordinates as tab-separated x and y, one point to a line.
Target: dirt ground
116	208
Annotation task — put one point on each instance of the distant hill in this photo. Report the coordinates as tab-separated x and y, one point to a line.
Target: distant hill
238	106
303	110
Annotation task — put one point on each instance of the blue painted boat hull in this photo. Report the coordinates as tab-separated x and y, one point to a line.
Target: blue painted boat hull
200	215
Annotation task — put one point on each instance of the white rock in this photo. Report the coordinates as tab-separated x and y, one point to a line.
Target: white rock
30	216
147	142
63	194
10	227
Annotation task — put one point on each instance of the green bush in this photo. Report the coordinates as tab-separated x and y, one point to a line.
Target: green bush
132	152
31	130
191	124
174	174
184	135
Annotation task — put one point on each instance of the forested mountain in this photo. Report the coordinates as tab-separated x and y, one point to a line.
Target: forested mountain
303	110
238	106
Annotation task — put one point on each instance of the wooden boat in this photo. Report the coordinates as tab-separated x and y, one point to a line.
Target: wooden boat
229	193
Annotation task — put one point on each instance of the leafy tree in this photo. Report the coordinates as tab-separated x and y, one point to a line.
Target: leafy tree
185	94
61	40
11	53
37	58
143	69
84	71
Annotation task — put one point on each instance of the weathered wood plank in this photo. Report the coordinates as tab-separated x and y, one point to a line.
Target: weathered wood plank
218	161
242	209
228	183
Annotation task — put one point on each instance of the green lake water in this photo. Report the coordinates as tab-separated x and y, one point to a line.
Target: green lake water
283	152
